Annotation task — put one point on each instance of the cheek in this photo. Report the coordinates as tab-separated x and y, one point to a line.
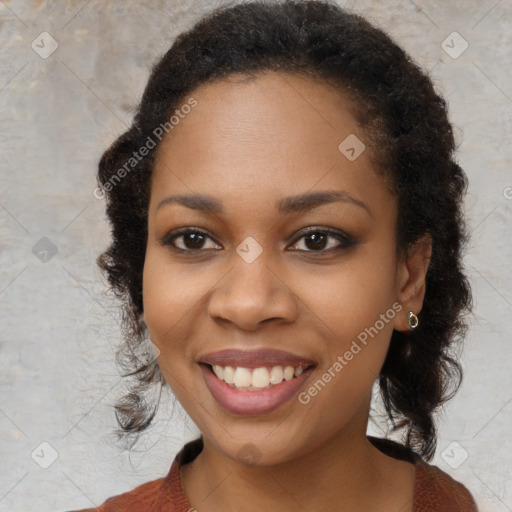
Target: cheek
351	296
356	304
170	293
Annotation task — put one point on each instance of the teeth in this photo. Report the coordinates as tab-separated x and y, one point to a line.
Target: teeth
242	377
288	372
276	375
229	375
260	378
219	371
253	379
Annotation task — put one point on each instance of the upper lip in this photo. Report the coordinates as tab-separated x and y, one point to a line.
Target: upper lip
255	358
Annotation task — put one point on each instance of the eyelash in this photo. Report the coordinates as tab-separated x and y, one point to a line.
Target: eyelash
346	241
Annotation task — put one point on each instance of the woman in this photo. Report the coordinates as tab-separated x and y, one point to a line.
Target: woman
287	229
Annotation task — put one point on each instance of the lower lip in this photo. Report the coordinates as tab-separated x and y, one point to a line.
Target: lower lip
241	402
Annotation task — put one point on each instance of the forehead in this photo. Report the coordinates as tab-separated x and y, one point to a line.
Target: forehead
250	140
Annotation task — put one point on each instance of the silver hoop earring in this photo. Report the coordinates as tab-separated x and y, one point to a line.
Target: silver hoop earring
412	320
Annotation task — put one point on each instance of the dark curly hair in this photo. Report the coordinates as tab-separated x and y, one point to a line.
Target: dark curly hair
412	142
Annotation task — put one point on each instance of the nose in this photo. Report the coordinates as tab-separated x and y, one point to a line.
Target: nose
250	294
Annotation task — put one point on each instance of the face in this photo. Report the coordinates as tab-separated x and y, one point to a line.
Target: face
286	264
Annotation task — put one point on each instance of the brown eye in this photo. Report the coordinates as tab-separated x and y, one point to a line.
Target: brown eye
316	240
321	240
191	240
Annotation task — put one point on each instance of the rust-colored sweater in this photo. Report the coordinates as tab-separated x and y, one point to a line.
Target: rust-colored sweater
434	490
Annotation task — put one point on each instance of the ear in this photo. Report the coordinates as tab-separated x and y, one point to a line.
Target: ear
411	280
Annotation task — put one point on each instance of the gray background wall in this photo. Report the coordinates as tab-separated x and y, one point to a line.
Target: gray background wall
59	327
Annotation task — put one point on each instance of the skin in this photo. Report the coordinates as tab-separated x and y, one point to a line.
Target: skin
249	144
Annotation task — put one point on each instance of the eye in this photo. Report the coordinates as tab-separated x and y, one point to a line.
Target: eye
317	240
192	240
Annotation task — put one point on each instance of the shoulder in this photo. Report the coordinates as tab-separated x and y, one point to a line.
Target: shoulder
436	490
142	497
161	495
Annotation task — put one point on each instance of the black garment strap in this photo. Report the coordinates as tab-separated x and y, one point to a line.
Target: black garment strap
394	449
190	451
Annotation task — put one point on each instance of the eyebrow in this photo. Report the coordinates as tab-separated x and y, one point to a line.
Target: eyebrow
293	204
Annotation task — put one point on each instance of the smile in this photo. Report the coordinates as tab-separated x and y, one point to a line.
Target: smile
256	379
254	382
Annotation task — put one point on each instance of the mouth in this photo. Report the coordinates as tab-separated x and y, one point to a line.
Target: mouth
256	379
254	382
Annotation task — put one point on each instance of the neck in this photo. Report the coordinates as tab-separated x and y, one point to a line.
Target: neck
346	470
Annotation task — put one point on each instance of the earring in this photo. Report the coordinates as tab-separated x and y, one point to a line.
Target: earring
412	320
